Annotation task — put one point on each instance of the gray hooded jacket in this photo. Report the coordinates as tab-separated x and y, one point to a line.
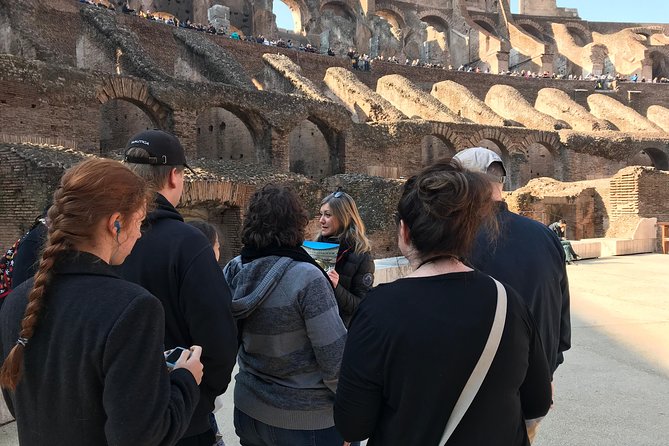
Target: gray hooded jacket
292	342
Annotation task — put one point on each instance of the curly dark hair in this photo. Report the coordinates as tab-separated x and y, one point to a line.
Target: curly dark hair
276	217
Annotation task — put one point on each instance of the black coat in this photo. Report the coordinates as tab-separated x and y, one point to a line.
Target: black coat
94	371
356	276
26	259
176	263
529	257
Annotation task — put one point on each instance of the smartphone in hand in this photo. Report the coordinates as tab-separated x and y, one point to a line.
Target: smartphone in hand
172	356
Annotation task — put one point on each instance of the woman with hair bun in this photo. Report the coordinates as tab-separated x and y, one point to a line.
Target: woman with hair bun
353	273
414	343
82	349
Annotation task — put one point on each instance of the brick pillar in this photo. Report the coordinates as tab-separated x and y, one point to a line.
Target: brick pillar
184	128
547	63
502	63
280	151
646	69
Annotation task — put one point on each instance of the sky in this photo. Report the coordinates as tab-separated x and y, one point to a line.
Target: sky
630	11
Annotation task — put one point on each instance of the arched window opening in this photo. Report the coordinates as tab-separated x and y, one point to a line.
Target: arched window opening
309	152
119	120
434	148
227	138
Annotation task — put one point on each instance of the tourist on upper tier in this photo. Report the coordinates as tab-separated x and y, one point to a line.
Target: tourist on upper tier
175	262
526	255
560	229
353	273
413	343
292	337
83	348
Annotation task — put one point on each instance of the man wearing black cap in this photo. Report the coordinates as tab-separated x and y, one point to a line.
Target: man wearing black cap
527	256
175	262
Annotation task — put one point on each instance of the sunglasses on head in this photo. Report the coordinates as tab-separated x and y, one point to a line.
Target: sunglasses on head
338	194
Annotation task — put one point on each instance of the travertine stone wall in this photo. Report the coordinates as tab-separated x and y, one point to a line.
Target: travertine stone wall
412	101
559	105
462	101
659	116
288	70
28	177
508	102
624	118
360	99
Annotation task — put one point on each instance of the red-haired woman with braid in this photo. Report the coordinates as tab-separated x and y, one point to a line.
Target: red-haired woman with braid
82	348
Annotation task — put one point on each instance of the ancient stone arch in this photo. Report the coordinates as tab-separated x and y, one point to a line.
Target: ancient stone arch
658	158
347	7
315	149
647	30
448	21
443	131
301	14
491	25
495	135
542	157
539	30
389	11
137	92
579	30
549	140
658	60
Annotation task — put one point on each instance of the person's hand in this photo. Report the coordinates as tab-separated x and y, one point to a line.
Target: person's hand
190	360
347	443
334	277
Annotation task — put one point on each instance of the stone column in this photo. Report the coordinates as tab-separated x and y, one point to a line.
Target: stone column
280	155
547	63
502	63
646	69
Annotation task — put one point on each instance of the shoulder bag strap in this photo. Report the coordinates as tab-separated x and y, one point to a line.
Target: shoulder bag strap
482	366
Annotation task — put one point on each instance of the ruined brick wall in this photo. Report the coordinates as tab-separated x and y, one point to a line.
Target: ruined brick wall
26	189
39	103
653	187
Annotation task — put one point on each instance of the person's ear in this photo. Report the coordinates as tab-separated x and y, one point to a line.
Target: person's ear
173	179
405	233
113	224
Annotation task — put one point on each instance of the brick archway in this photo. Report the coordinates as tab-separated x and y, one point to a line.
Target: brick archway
491	23
444	132
387	10
493	134
576	28
136	92
435	13
547	139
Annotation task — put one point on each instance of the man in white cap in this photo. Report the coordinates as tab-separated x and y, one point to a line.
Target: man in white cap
527	256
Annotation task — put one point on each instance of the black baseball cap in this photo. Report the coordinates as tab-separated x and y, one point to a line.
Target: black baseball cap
164	149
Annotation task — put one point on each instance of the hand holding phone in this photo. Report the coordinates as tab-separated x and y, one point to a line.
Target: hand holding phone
186	359
172	356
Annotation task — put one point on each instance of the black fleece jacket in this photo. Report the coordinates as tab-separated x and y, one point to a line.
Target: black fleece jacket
94	371
529	257
356	276
176	263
